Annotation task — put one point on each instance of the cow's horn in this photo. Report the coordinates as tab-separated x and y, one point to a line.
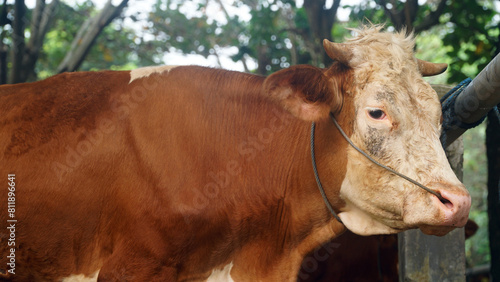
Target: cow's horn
338	51
429	69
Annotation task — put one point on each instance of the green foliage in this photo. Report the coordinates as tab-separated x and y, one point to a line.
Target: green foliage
475	173
468	30
263	38
114	47
368	11
58	39
275	36
473	36
189	34
429	47
267	37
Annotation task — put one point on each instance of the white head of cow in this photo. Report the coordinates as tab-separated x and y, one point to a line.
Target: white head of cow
392	114
398	122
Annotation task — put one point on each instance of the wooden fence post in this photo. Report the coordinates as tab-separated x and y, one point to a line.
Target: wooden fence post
430	258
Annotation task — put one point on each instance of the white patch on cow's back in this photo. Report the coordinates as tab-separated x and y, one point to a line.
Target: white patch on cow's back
220	275
147	71
81	277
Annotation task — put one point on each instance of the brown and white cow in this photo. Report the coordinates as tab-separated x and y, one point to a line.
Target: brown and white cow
193	174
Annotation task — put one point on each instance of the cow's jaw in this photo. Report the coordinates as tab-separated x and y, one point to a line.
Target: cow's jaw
362	213
359	221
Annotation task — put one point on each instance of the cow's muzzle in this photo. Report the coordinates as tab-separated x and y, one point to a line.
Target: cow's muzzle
452	209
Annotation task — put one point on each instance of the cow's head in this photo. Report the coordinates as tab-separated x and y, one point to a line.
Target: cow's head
376	91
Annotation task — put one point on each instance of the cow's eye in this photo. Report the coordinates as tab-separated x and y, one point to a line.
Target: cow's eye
376	113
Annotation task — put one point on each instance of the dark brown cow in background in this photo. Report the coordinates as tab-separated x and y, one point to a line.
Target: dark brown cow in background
351	257
197	174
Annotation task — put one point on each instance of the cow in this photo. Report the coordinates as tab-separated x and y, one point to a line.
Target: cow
352	257
188	173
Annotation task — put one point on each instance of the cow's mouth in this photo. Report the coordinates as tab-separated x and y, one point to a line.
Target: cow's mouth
436	230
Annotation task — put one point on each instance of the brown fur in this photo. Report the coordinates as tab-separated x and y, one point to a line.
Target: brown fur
147	195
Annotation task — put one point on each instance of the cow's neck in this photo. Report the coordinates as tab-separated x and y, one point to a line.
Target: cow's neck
310	211
298	218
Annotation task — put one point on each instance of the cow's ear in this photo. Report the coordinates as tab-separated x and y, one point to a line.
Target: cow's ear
304	91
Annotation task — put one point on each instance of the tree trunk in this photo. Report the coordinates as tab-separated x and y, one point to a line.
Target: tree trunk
3	63
263	59
321	21
3	48
40	22
18	43
86	36
432	19
405	18
493	154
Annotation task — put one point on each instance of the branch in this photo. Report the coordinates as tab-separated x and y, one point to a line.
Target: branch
296	31
432	19
42	17
410	14
330	15
48	15
3	15
252	3
335	8
223	9
393	14
35	21
87	35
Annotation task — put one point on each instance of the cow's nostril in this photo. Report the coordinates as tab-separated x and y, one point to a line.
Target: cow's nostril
442	199
446	202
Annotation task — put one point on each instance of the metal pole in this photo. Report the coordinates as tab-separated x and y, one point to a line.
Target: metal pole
477	99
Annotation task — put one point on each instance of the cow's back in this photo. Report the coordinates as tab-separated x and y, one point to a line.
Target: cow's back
109	165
